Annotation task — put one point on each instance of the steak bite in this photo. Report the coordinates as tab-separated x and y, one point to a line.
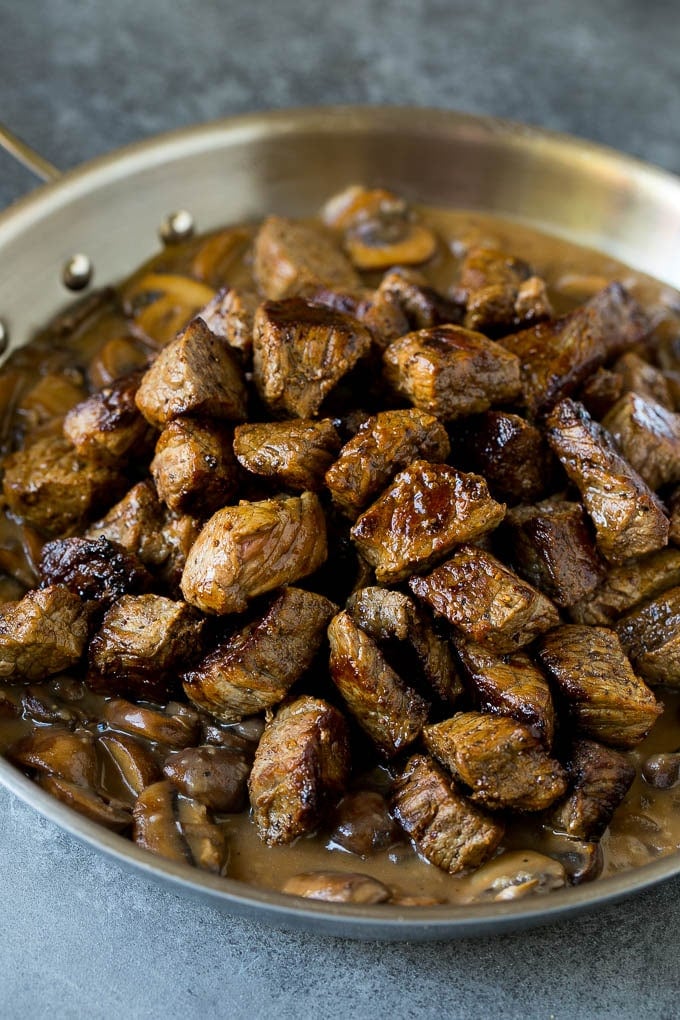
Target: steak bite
391	617
142	644
599	780
108	425
627	586
600	392
485	601
500	760
557	356
293	257
301	351
44	633
648	435
638	376
384	444
295	454
301	767
605	698
392	713
194	468
501	292
252	548
628	518
650	635
445	827
196	374
426	511
230	316
550	546
450	372
95	569
255	668
54	490
510	685
422	305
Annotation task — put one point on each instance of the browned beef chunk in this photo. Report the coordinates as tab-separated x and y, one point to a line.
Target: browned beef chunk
379	311
301	765
230	316
500	760
501	292
142	644
648	435
196	374
550	546
389	616
556	357
600	778
256	667
446	828
628	518
215	776
295	454
422	306
650	635
511	685
292	257
638	376
301	351
600	392
246	550
512	455
384	444
388	710
108	424
449	371
94	569
426	511
628	585
485	601
42	634
194	467
53	489
602	693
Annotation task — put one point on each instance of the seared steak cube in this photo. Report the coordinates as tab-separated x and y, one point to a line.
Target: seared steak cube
44	633
142	644
485	601
384	444
422	305
94	569
230	316
292	257
53	489
510	685
301	766
650	635
196	374
599	780
246	550
510	453
627	586
378	311
108	424
501	292
605	698
194	467
600	392
390	712
295	454
500	760
301	351
638	376
648	435
449	371
256	667
550	546
426	511
628	518
446	828
556	357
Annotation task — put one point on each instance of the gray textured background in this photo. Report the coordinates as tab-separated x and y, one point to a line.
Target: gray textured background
80	937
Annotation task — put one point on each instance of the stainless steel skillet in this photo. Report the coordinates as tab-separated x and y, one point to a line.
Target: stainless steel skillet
110	210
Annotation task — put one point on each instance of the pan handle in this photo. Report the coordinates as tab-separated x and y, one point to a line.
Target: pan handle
31	159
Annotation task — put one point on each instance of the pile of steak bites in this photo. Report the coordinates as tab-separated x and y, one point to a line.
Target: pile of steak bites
385	526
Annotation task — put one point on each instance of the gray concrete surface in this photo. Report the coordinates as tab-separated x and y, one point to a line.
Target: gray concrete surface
78	936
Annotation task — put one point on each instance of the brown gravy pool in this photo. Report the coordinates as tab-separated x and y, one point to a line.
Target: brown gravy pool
646	826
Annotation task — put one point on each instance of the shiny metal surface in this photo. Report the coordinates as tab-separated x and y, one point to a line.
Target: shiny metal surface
290	162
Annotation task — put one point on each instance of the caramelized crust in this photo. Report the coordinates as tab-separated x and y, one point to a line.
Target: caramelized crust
648	436
296	454
293	257
194	468
627	586
599	780
650	635
42	634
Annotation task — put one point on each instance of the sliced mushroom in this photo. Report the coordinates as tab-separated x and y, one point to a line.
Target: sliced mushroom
134	764
227	737
8	705
178	726
662	770
207	841
110	812
512	876
391	238
363	823
120	356
161	304
58	751
40	705
581	859
215	776
337	887
178	828
219	254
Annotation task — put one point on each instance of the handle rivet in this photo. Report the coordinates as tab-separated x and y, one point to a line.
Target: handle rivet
77	272
178	226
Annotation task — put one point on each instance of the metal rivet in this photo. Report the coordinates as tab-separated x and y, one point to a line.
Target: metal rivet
4	337
77	272
178	226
